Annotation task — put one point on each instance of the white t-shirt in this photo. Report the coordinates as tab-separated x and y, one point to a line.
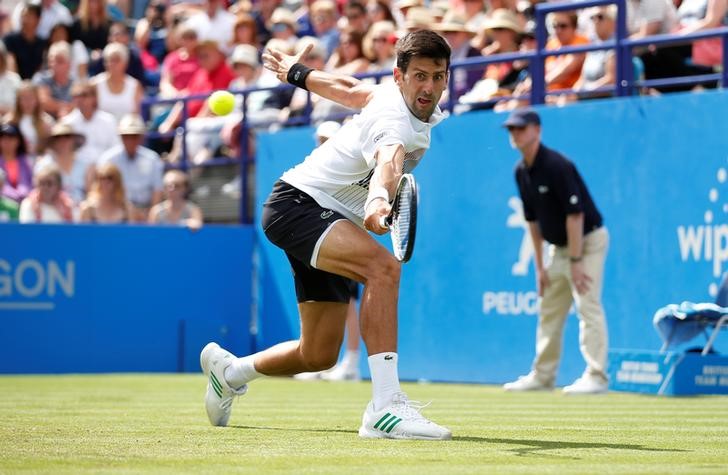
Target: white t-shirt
9	84
219	28
48	213
337	173
100	133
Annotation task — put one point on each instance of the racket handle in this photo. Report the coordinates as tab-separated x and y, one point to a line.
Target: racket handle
383	222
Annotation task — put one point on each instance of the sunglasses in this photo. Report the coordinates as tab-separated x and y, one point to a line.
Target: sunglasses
106	177
47	183
561	26
516	128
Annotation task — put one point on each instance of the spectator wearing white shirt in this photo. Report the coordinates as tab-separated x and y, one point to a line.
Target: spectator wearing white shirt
97	126
52	13
9	83
214	23
140	167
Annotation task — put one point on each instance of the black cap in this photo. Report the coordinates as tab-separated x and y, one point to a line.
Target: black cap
522	118
9	129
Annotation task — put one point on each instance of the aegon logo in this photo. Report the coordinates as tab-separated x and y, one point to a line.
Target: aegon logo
39	281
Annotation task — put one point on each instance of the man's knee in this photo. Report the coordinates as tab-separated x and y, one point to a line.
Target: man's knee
384	267
320	360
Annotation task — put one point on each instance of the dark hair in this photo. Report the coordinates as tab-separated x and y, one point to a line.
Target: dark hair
33	8
13	130
424	44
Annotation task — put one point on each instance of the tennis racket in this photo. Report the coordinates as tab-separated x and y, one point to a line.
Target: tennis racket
402	219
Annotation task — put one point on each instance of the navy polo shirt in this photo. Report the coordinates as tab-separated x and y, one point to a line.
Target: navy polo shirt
550	190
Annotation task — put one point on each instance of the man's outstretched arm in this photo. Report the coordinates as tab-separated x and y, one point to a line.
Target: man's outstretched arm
345	90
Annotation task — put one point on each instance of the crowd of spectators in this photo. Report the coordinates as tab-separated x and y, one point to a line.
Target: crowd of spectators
74	73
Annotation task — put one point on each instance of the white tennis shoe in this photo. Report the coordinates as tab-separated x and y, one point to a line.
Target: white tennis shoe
528	382
587	385
219	397
400	420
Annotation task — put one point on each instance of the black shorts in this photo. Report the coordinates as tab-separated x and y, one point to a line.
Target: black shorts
296	223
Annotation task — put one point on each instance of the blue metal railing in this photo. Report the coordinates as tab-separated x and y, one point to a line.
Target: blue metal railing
625	83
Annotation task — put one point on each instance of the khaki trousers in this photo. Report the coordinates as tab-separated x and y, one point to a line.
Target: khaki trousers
555	304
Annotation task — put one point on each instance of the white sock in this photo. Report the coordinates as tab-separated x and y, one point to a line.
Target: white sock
350	359
241	372
385	378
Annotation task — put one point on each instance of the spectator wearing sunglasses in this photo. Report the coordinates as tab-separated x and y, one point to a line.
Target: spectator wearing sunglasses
600	67
106	202
47	202
378	46
283	26
563	71
14	162
176	208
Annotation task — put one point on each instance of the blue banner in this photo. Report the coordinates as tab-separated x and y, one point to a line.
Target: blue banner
121	298
657	170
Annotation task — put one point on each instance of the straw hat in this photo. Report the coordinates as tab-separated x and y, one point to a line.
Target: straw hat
132	124
454	22
62	129
419	17
409	3
245	54
503	18
283	15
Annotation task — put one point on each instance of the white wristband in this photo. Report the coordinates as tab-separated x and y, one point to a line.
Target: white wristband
375	194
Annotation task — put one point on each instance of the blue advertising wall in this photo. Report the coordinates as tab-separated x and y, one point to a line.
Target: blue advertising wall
121	298
657	169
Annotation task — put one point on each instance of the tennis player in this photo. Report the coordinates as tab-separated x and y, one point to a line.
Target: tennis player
318	213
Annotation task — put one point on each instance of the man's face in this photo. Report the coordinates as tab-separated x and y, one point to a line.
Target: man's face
522	137
422	85
59	64
85	101
131	143
209	57
29	20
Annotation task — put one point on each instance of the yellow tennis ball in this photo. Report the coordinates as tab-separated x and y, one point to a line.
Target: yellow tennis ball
221	102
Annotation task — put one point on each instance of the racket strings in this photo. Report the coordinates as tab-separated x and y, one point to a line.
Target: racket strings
401	222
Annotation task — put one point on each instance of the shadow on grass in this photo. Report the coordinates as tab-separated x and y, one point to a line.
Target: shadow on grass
535	446
290	429
526	446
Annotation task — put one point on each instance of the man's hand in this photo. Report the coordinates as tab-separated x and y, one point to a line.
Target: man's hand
280	63
542	281
373	215
580	279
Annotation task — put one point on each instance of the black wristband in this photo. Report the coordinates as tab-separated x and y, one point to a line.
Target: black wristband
297	75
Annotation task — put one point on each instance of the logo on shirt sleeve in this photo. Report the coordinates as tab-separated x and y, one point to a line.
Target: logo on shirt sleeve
573	199
379	137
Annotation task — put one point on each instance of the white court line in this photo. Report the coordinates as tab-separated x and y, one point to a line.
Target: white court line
27	306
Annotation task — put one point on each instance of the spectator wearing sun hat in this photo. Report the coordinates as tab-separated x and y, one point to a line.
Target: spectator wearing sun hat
418	18
504	30
141	168
63	143
458	36
282	25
